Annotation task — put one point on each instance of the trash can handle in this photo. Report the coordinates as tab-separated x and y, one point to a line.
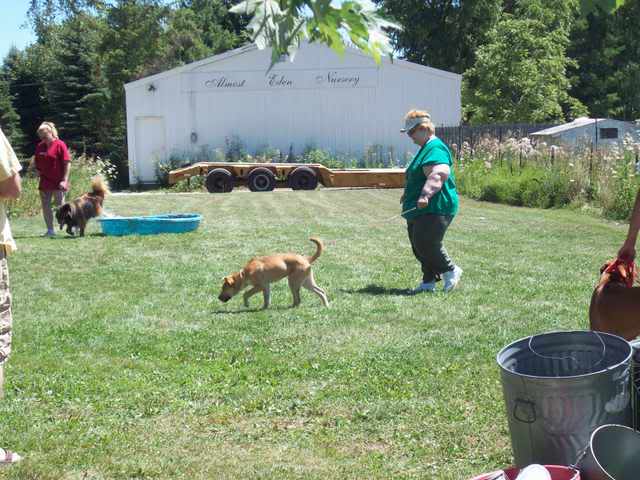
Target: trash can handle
581	455
530	405
567	357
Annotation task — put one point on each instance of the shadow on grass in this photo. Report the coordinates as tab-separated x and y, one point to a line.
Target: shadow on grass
373	289
60	236
250	310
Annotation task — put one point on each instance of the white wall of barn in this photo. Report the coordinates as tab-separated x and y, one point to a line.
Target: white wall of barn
295	105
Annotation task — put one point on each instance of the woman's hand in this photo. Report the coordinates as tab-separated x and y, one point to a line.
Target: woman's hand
64	185
423	201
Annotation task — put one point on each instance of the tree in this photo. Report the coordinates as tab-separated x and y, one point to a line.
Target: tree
28	74
443	33
9	118
627	64
520	74
606	76
78	79
200	28
284	24
594	47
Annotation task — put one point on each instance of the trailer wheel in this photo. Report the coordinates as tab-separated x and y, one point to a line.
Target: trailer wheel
303	178
219	180
261	180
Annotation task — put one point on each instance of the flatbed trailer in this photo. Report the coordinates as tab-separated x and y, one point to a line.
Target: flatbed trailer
263	177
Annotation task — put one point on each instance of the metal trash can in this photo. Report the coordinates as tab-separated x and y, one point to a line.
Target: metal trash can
635	391
613	452
559	387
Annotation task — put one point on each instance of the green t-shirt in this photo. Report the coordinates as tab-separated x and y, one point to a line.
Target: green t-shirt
445	202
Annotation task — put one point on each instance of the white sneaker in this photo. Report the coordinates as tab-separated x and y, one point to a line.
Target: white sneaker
7	457
452	278
425	287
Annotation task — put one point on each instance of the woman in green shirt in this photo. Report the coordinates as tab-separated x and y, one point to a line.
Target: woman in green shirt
430	202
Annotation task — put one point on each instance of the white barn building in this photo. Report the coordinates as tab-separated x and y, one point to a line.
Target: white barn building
583	131
341	104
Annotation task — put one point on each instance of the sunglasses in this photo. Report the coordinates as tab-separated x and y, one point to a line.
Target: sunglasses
412	131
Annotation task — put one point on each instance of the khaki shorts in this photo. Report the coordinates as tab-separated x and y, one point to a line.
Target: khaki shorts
5	308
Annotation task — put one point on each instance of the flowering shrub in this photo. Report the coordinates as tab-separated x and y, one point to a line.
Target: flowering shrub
518	172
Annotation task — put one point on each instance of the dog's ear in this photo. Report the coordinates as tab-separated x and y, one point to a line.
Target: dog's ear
604	267
229	280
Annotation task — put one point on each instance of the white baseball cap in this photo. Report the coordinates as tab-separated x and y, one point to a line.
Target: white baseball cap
410	123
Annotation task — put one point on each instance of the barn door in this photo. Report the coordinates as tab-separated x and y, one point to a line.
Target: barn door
150	146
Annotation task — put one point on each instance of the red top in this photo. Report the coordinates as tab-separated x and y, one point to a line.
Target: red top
50	162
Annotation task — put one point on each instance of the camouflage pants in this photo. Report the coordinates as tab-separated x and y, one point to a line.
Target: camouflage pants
5	309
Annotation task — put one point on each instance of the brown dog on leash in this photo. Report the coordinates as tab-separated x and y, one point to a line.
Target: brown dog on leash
260	272
615	306
77	213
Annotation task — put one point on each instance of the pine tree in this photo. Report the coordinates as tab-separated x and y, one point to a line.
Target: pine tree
70	95
27	75
9	118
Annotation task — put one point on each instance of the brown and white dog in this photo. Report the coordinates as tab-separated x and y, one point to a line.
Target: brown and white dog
260	272
615	307
77	213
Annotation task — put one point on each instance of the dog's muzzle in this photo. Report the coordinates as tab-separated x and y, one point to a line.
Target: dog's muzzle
224	298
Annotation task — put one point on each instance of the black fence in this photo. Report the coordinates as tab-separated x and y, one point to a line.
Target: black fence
473	134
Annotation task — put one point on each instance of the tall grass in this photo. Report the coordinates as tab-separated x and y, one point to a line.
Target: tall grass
83	168
518	173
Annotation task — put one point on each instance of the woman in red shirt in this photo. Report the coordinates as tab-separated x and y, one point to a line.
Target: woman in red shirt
52	163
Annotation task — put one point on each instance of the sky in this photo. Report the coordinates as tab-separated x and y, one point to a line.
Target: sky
13	15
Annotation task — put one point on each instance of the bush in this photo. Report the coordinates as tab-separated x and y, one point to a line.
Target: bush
163	167
83	169
528	187
619	188
193	184
234	149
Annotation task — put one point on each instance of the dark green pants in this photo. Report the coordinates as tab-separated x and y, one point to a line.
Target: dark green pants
426	233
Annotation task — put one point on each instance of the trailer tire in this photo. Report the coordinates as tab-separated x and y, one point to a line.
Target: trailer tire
219	180
261	180
303	178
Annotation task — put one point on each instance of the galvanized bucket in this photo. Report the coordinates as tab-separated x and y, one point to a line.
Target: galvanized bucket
613	453
559	387
635	344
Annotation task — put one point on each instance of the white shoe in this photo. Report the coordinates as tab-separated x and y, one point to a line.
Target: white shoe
7	457
452	278
425	287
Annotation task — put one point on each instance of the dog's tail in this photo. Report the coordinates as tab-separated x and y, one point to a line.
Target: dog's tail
99	187
319	250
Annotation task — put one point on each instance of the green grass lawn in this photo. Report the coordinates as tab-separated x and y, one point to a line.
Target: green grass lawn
126	365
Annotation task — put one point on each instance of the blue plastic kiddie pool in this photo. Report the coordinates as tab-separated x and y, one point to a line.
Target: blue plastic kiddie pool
150	225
